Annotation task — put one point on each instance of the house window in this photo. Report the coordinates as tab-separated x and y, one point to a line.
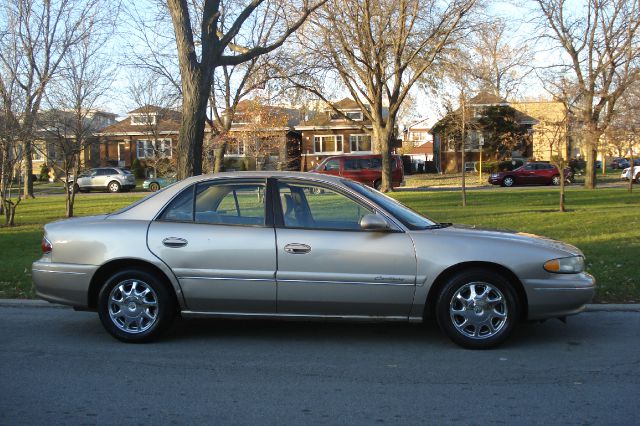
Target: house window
329	144
146	149
143	119
354	115
360	143
235	148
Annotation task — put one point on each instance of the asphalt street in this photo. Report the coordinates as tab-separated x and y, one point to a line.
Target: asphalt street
58	366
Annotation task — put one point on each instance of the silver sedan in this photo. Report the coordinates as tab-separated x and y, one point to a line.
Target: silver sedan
297	245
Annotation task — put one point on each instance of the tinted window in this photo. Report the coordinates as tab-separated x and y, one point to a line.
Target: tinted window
181	208
105	172
351	164
316	207
529	167
230	204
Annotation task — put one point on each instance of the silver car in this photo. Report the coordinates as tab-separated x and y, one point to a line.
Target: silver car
298	245
112	179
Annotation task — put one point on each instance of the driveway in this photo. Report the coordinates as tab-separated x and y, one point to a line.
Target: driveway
58	366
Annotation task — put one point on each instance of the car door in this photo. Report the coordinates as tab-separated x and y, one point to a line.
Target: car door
99	180
526	175
329	266
220	244
85	180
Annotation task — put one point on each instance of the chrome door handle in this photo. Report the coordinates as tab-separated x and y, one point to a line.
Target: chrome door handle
174	242
295	248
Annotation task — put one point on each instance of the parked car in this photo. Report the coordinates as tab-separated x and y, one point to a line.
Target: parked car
366	169
302	245
619	163
112	179
154	184
636	174
533	173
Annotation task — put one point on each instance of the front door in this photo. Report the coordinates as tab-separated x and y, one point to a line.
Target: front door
220	247
122	154
328	265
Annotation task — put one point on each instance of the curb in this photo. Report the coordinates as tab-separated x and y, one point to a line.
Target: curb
32	303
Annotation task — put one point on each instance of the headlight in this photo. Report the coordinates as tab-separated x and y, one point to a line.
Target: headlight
565	265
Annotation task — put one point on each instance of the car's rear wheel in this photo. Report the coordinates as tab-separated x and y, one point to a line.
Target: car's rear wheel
555	180
638	178
135	306
477	309
113	186
508	181
73	187
154	186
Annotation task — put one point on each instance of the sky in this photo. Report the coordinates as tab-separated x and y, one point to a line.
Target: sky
427	107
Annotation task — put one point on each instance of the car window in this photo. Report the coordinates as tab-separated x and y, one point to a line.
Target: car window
351	164
316	207
180	209
529	167
230	203
332	165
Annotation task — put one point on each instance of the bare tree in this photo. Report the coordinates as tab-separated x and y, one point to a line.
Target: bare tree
85	76
378	49
221	42
601	53
553	135
494	61
35	37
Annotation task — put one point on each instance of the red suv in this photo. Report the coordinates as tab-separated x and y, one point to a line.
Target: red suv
366	169
534	173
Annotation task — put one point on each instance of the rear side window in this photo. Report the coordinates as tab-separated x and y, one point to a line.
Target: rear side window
180	209
230	204
351	164
332	165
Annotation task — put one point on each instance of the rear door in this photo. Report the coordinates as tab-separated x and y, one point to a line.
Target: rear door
328	265
220	244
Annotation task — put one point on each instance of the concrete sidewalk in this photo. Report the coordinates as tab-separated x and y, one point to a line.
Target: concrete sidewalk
34	303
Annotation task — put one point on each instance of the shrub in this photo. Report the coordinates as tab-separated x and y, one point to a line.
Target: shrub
137	169
44	173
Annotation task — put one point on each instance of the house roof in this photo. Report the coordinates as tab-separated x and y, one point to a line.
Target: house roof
487	98
346	103
323	118
168	121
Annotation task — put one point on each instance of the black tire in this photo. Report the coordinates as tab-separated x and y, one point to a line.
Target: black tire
113	186
377	184
154	186
74	187
451	310
555	180
508	181
139	321
638	178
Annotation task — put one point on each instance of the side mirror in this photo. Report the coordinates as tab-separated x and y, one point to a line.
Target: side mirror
374	222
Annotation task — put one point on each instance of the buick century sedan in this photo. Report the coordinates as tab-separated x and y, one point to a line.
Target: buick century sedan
306	246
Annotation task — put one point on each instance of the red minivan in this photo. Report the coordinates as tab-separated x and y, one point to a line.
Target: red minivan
366	169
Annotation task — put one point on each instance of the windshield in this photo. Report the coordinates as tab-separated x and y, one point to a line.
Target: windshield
409	218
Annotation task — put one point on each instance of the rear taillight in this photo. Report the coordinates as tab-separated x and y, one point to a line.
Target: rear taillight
46	245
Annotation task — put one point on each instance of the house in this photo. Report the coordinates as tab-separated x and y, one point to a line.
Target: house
333	131
56	132
149	134
263	137
494	129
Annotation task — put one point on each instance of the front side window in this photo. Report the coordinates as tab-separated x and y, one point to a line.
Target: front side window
316	207
327	144
332	165
360	143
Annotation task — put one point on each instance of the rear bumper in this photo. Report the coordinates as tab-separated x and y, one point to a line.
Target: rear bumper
559	297
67	284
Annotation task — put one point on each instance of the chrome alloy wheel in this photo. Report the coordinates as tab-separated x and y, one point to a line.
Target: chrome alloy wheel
133	306
478	310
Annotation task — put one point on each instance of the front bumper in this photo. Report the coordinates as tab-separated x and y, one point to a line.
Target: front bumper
559	296
63	283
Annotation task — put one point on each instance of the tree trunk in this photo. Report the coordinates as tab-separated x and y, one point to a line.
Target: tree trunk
28	169
590	171
218	161
190	140
562	193
463	151
385	138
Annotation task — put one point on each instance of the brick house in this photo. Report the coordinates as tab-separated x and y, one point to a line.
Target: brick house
328	132
148	133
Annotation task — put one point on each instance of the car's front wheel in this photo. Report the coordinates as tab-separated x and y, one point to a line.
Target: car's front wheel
508	181
154	186
113	186
477	309
135	306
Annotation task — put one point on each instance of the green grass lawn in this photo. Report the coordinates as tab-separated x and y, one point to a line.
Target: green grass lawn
604	223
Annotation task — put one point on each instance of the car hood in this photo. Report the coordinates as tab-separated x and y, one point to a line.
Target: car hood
474	232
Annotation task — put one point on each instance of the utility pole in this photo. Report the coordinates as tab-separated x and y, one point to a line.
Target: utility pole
464	190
